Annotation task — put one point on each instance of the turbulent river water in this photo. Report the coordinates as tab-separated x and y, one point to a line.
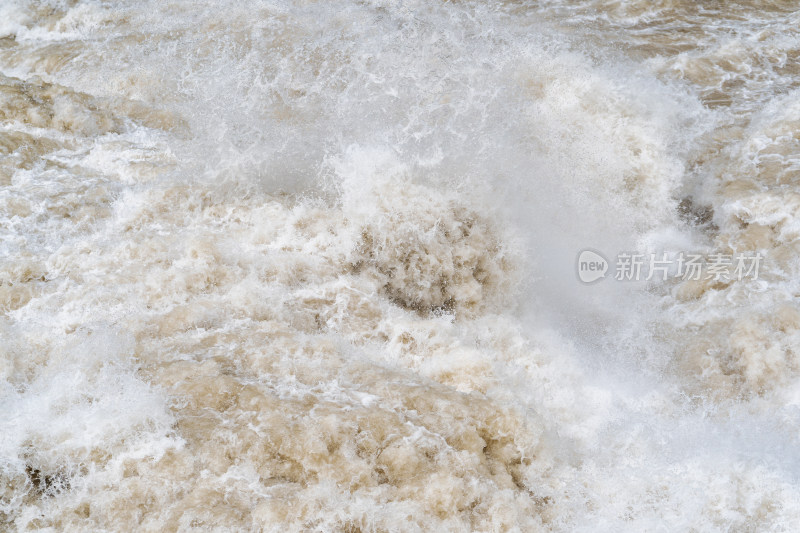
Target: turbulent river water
311	266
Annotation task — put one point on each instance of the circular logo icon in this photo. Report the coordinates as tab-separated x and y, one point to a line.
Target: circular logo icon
591	266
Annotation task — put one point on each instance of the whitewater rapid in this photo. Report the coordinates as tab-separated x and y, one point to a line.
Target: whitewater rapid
311	266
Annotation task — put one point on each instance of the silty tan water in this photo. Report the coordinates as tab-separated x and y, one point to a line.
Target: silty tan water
309	266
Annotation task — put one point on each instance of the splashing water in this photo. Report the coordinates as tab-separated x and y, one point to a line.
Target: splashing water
301	266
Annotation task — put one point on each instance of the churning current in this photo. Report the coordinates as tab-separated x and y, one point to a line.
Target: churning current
294	265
